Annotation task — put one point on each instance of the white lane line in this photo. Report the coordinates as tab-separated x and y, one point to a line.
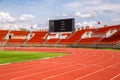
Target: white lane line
45	71
38	73
115	76
29	64
36	68
76	69
96	71
23	65
30	61
73	70
43	58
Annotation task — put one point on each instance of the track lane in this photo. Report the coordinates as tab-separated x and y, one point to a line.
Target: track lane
49	73
108	72
78	64
116	77
43	63
29	71
71	75
37	70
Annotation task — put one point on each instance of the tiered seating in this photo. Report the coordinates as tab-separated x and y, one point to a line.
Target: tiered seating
75	37
66	34
51	35
51	38
20	33
104	30
37	38
3	33
111	40
54	40
15	41
91	40
105	35
17	37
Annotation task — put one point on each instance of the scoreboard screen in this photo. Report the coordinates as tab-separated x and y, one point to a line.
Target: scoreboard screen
62	25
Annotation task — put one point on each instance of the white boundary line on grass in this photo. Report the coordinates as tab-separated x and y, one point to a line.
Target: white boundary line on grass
4	64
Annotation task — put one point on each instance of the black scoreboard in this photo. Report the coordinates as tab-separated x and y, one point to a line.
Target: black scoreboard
62	25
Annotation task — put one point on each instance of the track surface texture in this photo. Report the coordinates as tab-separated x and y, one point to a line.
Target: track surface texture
79	64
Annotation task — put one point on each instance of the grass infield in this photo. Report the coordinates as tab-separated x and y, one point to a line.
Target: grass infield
19	56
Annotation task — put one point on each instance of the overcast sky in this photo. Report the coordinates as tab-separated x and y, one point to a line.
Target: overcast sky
26	13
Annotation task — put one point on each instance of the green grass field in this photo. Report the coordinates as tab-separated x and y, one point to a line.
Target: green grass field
19	56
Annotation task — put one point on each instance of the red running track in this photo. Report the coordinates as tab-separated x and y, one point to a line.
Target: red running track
80	64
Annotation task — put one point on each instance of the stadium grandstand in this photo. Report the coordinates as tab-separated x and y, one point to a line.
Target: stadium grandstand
103	37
